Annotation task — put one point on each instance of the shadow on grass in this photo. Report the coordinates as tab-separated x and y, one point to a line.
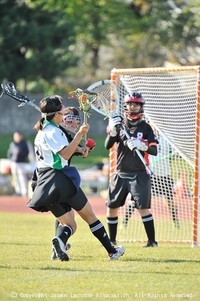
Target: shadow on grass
162	260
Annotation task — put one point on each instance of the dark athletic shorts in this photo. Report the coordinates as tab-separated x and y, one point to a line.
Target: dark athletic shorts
139	186
56	192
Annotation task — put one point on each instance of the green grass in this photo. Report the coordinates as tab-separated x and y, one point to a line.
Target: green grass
141	274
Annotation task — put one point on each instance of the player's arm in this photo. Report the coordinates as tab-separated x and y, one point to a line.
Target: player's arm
112	130
70	149
152	143
152	149
110	141
84	151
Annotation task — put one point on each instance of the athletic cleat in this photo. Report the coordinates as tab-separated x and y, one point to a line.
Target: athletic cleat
60	249
151	243
54	255
120	251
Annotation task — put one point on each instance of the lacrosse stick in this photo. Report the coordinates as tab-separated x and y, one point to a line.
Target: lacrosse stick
9	89
107	103
85	99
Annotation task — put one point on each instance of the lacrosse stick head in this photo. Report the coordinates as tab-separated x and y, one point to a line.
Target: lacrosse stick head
9	88
107	98
85	99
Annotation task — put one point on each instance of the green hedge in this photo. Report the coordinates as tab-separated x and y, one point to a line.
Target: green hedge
96	156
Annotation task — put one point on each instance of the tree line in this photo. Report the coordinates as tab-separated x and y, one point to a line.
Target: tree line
58	45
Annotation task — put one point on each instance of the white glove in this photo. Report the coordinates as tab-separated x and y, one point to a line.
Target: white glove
137	144
112	125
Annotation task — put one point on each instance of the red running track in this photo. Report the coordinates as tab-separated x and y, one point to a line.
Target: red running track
18	204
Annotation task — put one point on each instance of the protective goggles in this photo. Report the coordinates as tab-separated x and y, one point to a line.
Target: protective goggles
71	119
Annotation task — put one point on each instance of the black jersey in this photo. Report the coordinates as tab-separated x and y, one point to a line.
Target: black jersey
128	161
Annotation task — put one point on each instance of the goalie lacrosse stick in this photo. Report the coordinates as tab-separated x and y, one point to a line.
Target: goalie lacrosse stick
85	99
138	153
107	104
9	89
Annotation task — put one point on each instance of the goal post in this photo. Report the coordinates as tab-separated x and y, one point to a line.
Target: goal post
172	106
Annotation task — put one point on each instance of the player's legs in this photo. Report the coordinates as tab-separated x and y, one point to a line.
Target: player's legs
15	178
164	186
117	194
96	227
141	193
148	222
168	191
65	229
112	222
63	232
22	178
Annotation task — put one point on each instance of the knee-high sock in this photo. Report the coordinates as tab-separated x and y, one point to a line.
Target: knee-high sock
148	223
112	227
99	232
64	233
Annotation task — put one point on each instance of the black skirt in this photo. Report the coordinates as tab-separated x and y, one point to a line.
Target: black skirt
54	186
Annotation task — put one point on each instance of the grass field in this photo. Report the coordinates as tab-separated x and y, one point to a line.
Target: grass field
169	272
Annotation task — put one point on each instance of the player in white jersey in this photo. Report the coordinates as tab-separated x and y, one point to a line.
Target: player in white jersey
58	183
71	121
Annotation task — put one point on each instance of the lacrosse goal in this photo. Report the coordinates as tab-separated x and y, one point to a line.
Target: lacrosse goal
172	106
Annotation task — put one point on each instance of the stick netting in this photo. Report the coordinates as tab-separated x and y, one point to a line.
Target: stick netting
170	106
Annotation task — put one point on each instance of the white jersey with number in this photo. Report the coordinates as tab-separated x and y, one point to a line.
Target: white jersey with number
48	143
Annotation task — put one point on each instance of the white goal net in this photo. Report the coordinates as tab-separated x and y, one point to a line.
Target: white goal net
172	106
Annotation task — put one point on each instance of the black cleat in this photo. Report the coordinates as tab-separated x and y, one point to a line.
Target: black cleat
59	248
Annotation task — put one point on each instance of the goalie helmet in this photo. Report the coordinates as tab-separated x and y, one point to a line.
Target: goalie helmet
133	118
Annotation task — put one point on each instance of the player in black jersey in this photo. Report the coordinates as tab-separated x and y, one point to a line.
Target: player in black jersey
131	175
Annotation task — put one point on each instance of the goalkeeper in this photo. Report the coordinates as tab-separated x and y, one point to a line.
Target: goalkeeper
131	175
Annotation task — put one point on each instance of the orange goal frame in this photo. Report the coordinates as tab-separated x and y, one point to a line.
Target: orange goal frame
196	187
